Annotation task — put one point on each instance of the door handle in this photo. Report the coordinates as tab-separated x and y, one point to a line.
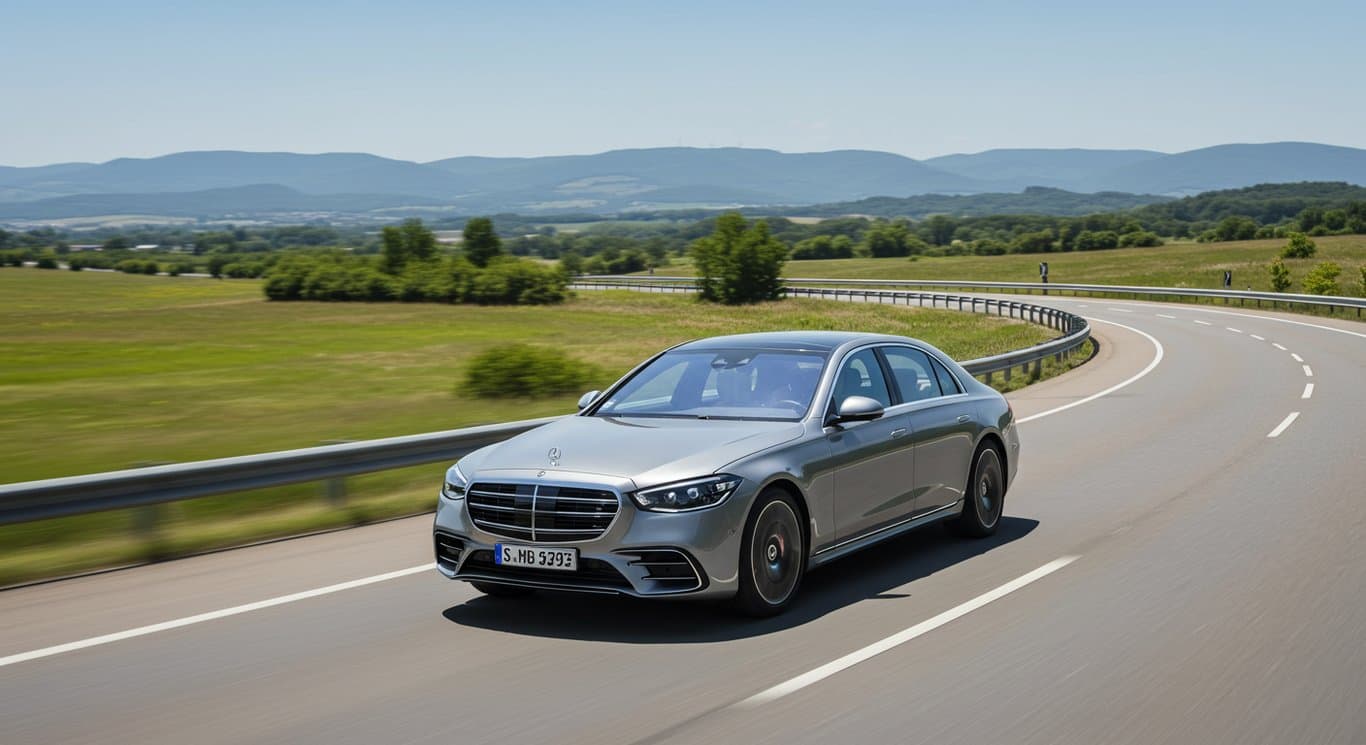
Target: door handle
963	418
898	432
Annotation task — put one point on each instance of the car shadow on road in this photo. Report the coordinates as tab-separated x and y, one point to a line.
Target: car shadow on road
871	574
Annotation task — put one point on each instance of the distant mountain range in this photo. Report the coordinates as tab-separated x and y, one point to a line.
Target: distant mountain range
229	184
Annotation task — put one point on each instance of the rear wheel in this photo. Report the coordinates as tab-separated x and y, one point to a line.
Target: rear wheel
772	555
984	498
493	589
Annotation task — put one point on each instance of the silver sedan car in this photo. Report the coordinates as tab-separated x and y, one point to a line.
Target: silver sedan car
729	467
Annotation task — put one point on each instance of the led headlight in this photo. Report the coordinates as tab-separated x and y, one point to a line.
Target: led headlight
456	483
687	495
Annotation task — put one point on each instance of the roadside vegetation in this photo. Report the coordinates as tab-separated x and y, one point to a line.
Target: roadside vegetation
108	371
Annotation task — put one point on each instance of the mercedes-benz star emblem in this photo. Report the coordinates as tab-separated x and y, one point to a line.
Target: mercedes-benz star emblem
554	456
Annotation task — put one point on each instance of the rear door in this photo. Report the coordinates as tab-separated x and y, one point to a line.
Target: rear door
939	416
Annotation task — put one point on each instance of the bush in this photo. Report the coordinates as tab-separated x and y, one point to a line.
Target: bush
508	281
1097	240
1299	247
1280	276
739	263
1323	279
137	266
175	270
47	262
75	263
1361	283
525	371
1139	239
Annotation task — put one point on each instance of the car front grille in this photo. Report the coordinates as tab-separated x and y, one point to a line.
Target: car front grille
541	512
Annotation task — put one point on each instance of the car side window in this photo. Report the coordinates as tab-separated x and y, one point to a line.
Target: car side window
861	375
913	373
947	383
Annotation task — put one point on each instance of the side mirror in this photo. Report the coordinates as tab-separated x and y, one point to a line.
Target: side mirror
587	399
858	409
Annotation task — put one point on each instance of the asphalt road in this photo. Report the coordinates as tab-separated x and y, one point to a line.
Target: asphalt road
1202	582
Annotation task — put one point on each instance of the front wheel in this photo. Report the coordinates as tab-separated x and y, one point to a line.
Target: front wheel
985	496
772	555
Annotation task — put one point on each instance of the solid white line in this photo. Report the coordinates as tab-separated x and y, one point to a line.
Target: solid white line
1308	390
1308	371
95	641
901	637
1230	328
1285	424
1296	357
1120	310
1164	315
1157	358
1278	346
1258	338
1203	323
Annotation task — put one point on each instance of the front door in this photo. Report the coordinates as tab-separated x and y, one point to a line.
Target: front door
873	460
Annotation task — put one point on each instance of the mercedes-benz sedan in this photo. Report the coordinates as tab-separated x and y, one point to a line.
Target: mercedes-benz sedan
730	466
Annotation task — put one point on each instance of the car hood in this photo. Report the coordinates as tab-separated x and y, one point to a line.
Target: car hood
647	451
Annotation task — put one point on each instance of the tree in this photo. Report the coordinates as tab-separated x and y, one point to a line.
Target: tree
1280	276
411	241
887	239
1235	228
1322	279
1299	247
739	263
117	243
940	229
481	244
1139	239
1037	242
1096	240
216	263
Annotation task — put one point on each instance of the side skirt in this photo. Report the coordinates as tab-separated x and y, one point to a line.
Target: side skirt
887	532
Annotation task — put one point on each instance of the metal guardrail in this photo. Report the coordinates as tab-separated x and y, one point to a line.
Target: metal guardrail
1328	301
142	487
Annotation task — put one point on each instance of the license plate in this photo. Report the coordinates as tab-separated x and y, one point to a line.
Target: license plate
536	557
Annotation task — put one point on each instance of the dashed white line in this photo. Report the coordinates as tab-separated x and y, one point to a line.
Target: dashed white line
1284	425
1120	310
1164	315
901	637
1308	371
1296	357
1258	338
1203	323
1230	328
95	641
1278	346
1308	390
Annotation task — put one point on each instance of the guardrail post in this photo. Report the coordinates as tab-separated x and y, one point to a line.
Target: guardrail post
1005	374
334	489
1038	369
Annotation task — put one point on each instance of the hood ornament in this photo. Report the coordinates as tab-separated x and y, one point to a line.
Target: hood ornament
554	456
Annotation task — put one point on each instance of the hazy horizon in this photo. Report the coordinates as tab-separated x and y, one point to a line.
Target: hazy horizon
421	80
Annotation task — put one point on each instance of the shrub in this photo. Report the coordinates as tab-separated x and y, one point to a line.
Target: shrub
1361	283
1139	239
75	263
739	263
1097	240
184	267
1322	279
525	371
508	281
136	266
1280	276
1299	247
47	262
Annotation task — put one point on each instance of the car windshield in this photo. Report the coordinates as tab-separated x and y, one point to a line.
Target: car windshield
721	384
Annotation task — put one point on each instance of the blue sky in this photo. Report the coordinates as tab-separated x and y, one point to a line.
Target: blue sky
94	80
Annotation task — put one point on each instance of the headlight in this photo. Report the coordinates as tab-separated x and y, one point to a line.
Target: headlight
456	483
687	495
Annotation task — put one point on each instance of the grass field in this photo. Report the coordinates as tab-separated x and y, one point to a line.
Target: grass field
104	371
1173	265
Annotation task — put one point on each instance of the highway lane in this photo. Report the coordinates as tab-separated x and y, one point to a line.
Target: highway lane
1215	598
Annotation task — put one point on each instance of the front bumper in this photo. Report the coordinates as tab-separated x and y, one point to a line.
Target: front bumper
642	553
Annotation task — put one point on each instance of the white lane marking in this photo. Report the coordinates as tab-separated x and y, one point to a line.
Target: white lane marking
95	641
1203	323
1164	315
901	637
1120	310
1258	338
1308	390
1278	346
1284	425
1157	358
1308	371
1296	357
1230	328
1197	309
1082	305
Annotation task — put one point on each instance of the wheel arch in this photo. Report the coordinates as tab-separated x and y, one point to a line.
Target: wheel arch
788	485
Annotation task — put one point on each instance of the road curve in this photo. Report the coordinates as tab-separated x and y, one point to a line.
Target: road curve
1183	561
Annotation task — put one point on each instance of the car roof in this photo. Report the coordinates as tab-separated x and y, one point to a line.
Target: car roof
813	341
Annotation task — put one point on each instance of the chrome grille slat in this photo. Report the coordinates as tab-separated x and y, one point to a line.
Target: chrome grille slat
548	512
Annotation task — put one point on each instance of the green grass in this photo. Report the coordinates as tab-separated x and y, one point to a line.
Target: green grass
1199	265
104	371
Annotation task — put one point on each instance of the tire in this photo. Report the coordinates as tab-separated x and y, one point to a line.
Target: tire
495	590
984	497
772	555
